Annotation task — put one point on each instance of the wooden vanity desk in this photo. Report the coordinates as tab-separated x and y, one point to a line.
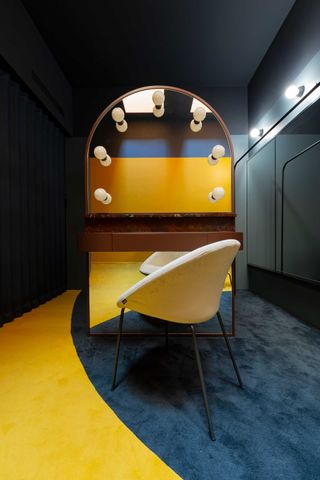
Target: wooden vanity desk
159	232
156	231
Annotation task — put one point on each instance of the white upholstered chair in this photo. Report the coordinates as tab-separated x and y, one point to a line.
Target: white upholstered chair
157	260
186	290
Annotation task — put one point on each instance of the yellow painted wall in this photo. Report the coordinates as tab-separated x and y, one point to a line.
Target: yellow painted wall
161	185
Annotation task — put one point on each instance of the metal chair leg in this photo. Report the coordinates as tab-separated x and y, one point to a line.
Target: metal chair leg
166	333
203	386
225	336
115	366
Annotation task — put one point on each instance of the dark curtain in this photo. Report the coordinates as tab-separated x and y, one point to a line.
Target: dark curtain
32	205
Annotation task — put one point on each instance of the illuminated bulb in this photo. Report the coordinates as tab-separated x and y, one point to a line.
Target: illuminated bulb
158	97
102	196
158	112
195	126
294	91
117	114
101	154
122	126
158	100
199	114
216	194
218	151
256	132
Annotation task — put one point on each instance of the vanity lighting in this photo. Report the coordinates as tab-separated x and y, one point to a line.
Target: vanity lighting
293	91
198	116
118	116
102	196
216	194
158	100
256	132
217	152
101	154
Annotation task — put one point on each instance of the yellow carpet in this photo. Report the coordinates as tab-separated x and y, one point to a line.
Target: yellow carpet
107	281
53	424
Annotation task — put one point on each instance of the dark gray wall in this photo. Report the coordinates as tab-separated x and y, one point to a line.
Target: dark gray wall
296	43
24	49
32	210
261	208
76	265
284	240
284	217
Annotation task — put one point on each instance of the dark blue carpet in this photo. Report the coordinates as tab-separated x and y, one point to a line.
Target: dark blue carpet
270	430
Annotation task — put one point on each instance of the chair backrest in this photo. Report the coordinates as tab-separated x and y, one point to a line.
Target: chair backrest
188	289
157	260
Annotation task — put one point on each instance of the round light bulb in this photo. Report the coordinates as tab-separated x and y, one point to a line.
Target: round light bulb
102	196
218	151
254	133
158	97
199	114
122	127
158	112
216	194
105	162
100	152
195	127
117	114
292	91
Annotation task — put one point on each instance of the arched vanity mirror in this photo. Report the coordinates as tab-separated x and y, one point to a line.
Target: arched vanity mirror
159	176
168	150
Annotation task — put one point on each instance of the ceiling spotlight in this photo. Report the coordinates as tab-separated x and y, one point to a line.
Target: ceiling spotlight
198	116
158	100
102	196
293	91
118	116
216	194
218	151
101	154
256	132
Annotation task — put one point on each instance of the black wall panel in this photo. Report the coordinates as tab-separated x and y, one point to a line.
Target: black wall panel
284	217
32	204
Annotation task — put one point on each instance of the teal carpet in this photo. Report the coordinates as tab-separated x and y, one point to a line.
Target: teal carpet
269	431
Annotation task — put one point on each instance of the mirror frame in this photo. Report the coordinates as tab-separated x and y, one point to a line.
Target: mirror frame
153	87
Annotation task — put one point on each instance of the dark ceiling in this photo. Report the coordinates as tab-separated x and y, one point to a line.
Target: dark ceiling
176	42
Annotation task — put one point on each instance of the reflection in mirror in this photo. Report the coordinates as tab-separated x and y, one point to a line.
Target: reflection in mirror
158	150
169	151
112	273
297	182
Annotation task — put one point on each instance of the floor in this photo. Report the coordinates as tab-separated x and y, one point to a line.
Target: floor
53	424
59	420
269	430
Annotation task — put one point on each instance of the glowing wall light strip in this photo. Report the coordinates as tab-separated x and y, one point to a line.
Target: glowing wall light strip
140	102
